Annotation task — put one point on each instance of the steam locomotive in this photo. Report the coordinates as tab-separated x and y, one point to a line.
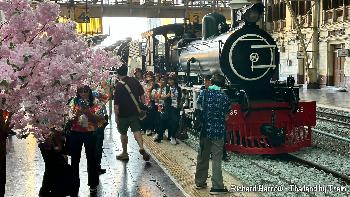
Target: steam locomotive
266	115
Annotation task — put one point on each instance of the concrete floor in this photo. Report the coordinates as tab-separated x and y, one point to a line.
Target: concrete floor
328	97
25	168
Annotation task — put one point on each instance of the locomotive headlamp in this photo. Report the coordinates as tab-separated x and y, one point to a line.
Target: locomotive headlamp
252	14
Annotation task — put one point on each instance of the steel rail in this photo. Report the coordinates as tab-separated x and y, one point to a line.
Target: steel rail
332	114
331	120
320	167
332	135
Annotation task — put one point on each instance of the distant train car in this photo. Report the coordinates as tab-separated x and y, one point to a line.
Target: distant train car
266	116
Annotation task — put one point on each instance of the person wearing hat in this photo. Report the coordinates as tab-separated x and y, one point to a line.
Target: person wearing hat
138	74
126	112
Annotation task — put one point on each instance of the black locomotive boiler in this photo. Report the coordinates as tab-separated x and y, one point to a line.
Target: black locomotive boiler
247	55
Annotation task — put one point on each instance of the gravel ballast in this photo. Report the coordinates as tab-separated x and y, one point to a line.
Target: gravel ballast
279	177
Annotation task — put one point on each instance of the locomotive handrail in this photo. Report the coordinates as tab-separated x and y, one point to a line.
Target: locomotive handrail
262	46
220	45
294	102
263	66
193	60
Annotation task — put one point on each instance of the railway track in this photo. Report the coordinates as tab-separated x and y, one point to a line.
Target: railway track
284	170
331	117
344	178
337	120
334	136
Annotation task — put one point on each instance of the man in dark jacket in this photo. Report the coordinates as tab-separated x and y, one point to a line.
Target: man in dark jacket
126	113
215	105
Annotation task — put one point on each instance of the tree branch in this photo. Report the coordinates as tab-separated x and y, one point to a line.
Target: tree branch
42	29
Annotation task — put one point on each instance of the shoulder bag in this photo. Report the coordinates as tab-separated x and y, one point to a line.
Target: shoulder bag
142	113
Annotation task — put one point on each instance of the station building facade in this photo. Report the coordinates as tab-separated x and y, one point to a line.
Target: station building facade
326	32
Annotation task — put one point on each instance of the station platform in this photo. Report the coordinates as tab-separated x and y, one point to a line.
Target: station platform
25	168
170	172
329	97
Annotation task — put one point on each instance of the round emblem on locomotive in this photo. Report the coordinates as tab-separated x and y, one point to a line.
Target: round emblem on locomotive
252	57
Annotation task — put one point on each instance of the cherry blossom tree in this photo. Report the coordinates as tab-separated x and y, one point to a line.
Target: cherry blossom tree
42	61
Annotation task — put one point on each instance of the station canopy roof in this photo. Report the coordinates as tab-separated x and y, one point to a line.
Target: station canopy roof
177	28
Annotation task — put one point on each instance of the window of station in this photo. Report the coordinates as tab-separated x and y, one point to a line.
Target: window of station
331	4
301	8
276	12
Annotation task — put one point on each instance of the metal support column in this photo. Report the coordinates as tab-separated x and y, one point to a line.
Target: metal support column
313	71
305	68
305	64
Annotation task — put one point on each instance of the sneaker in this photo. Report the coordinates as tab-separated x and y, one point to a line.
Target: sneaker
123	157
148	132
172	141
218	191
144	154
201	186
155	136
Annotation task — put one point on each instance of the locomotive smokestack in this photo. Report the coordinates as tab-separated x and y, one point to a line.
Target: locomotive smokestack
213	25
235	5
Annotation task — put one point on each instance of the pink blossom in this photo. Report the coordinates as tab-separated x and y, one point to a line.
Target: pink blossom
47	12
41	64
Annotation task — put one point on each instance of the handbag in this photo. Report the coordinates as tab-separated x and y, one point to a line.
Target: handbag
142	113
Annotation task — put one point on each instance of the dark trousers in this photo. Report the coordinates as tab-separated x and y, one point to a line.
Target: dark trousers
77	139
100	136
148	123
157	122
58	179
161	126
173	122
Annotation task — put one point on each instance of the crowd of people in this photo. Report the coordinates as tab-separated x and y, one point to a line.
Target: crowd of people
163	101
157	96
